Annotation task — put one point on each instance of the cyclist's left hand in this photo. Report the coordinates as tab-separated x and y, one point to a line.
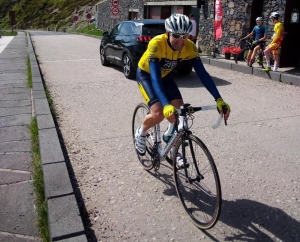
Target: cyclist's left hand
220	104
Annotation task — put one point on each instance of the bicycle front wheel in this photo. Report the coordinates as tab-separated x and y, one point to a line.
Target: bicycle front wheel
198	186
139	114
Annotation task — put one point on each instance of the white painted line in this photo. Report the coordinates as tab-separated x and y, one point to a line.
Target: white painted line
71	60
4	41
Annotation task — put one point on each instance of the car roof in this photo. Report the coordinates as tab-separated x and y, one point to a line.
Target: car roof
147	21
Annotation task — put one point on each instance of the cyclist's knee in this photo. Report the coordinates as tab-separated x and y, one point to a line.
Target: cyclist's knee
158	116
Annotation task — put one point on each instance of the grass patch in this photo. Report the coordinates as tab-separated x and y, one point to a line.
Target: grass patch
90	29
8	33
50	101
38	182
29	84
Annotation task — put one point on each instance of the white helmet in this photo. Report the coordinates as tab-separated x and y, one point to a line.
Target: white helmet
259	19
179	24
274	15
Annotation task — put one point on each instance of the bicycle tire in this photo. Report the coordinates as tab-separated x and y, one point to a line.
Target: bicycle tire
201	200
246	55
139	114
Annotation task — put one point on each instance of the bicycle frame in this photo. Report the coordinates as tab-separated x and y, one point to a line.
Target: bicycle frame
182	128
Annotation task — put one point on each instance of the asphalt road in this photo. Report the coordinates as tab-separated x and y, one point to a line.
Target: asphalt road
257	154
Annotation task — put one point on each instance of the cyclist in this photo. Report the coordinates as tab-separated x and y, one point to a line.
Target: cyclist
276	42
260	33
156	84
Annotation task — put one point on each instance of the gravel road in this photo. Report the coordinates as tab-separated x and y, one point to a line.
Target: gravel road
257	154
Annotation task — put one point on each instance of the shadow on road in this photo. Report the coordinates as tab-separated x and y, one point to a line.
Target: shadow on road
192	81
247	220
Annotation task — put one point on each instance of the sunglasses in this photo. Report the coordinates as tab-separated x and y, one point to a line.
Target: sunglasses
179	36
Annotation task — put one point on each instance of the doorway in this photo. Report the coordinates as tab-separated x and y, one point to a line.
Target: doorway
256	11
290	49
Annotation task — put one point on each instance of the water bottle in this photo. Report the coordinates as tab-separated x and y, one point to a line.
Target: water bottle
169	132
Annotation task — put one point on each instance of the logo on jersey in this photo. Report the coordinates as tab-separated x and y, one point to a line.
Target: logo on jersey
169	64
152	48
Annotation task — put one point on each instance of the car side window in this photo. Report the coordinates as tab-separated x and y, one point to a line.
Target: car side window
115	30
126	29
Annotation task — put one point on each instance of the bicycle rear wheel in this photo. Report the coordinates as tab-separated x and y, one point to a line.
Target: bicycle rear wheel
200	193
139	114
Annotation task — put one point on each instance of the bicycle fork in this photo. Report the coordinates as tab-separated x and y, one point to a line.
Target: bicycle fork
199	176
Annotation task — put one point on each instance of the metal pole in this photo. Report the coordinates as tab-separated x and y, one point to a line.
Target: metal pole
214	54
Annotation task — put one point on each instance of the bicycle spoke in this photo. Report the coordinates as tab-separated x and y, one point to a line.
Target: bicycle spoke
138	117
201	199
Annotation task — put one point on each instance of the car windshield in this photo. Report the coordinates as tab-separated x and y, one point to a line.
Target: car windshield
153	29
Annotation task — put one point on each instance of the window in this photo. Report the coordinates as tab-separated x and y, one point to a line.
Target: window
115	30
153	29
126	29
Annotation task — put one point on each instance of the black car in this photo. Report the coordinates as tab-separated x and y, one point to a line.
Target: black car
127	42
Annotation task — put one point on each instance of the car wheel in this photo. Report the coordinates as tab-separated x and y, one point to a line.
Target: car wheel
104	61
185	70
127	67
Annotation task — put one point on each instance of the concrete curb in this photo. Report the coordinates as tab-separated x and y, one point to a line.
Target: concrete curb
275	76
64	220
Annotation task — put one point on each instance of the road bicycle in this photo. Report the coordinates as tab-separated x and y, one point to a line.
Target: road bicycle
259	58
197	181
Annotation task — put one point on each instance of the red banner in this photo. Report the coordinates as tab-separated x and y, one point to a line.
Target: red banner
218	19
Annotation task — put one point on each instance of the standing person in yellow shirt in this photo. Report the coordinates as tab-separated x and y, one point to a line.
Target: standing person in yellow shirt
276	42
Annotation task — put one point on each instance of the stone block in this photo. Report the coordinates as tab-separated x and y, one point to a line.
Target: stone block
41	106
39	94
221	64
22	119
15	146
8	177
17	210
50	148
37	85
16	96
64	218
268	75
290	79
241	68
56	179
45	121
14	133
21	161
37	79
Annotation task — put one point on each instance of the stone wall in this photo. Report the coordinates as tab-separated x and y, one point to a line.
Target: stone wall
104	20
236	22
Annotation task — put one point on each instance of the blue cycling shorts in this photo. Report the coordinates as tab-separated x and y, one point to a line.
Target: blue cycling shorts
145	85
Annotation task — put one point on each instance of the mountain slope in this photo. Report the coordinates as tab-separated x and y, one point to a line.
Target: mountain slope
41	14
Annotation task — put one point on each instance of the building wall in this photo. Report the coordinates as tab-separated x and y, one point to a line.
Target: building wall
235	24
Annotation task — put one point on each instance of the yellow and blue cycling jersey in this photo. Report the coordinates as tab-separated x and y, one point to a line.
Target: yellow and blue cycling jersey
158	48
154	71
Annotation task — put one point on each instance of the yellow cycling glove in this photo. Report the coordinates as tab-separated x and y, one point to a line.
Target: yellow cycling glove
221	103
168	110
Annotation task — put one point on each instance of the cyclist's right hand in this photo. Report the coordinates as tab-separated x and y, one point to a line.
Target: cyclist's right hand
168	110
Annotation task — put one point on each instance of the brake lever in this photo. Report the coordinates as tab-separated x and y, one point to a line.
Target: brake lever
225	109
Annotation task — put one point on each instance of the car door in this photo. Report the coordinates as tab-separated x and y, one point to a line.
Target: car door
110	49
121	41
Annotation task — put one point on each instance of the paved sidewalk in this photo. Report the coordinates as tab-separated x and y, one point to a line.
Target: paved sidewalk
288	75
18	218
18	104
